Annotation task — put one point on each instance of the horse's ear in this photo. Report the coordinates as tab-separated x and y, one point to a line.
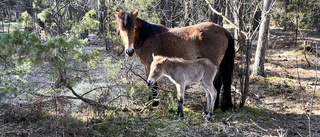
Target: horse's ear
135	14
153	55
117	14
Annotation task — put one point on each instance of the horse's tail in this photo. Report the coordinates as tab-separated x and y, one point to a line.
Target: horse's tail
226	70
230	52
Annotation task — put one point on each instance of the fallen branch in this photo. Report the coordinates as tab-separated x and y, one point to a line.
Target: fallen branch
265	130
89	101
93	90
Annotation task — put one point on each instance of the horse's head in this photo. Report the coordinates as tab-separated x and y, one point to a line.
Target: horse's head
156	69
127	28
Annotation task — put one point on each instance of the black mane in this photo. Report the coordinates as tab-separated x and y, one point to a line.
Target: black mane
148	30
126	20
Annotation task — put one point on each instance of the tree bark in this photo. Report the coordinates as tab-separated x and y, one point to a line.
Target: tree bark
215	18
258	66
102	6
186	13
238	19
166	17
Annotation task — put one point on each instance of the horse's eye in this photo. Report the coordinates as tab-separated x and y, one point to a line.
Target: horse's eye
156	70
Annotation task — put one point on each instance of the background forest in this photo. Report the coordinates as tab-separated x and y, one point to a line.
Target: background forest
63	71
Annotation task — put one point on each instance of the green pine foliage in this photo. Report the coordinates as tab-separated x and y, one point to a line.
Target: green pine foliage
44	14
25	19
88	22
301	14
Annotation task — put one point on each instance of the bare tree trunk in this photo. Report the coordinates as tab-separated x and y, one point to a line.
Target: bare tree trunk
238	19
102	8
256	20
246	81
215	18
186	13
2	25
258	67
166	17
194	14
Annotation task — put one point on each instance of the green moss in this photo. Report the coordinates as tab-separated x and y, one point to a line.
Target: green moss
278	85
252	112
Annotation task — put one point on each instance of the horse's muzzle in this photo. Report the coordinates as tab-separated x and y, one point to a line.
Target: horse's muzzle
129	52
150	82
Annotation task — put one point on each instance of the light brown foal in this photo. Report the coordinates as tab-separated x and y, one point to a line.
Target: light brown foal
185	72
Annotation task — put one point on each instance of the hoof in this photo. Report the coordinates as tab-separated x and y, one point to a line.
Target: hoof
226	106
180	114
155	103
208	117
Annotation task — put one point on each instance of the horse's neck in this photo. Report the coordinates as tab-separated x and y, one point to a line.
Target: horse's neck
170	67
148	30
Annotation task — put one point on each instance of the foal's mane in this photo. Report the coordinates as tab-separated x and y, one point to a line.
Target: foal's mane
147	29
172	58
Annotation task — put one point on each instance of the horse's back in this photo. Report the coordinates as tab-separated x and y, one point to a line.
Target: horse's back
207	40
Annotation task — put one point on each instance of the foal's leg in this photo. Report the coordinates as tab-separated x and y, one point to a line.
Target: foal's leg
211	97
180	97
207	110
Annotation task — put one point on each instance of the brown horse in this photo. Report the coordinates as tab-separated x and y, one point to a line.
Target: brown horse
185	72
204	40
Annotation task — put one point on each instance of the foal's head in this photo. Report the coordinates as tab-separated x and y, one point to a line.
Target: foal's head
156	69
126	26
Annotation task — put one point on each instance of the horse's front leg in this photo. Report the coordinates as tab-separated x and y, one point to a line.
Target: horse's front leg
154	88
180	97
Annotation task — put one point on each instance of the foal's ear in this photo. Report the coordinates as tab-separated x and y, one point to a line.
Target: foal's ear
135	14
117	14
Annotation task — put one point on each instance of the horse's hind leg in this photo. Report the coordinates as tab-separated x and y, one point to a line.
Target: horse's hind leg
226	70
226	74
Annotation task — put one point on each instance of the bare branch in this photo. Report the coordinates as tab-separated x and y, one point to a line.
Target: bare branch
220	14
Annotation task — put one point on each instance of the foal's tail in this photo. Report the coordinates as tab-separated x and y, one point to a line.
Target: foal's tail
226	70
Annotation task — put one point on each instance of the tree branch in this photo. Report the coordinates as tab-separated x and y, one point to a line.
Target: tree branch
89	101
220	14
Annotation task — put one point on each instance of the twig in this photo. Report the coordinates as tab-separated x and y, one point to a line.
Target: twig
131	63
89	101
219	13
299	134
129	68
230	117
116	98
305	54
93	90
258	126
